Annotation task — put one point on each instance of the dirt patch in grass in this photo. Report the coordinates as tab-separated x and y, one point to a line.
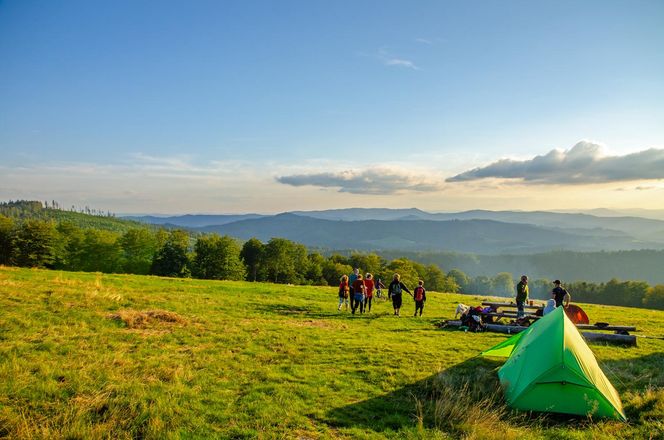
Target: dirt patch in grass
316	323
134	319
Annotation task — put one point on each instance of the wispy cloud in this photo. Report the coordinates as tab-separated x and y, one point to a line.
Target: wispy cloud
376	181
424	41
389	59
583	163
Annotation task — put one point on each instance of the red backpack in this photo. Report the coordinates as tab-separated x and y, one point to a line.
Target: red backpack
419	293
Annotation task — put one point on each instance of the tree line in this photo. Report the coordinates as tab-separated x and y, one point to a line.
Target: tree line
178	253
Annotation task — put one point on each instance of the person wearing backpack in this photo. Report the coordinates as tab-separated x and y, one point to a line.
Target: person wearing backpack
344	291
358	289
395	290
419	295
351	282
379	287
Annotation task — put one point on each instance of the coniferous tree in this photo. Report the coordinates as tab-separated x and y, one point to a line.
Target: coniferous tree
6	240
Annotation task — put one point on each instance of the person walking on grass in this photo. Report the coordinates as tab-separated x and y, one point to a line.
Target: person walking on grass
521	297
358	288
368	291
351	282
395	290
419	295
379	287
344	292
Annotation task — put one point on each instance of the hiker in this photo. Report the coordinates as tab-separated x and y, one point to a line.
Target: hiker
344	291
351	282
394	290
521	297
358	289
419	295
368	291
560	295
379	287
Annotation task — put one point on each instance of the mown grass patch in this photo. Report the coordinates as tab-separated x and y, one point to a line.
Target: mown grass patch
86	355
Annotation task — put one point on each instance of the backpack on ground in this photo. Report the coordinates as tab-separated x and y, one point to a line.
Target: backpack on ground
473	320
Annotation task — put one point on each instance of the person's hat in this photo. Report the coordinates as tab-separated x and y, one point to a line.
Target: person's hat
557	282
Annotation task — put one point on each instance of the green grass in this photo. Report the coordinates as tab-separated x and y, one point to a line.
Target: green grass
244	360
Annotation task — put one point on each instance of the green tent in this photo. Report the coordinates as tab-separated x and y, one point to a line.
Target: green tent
505	348
551	369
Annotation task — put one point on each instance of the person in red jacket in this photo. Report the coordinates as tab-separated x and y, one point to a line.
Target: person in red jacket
344	291
419	295
368	291
358	289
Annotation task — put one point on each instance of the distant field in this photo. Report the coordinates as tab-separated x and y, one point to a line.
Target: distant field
81	357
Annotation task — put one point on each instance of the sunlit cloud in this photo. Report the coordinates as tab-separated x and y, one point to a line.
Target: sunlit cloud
584	163
377	181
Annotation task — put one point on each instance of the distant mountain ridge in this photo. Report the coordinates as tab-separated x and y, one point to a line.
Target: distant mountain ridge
192	220
474	236
476	231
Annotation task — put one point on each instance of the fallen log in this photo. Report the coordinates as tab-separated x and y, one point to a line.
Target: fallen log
617	328
588	336
610	337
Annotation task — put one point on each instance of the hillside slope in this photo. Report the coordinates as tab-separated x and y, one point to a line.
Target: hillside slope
87	355
35	210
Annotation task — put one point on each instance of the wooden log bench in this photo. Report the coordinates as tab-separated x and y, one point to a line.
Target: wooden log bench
497	305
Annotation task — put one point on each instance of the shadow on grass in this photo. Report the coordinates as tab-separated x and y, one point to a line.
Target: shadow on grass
316	313
640	382
399	409
469	393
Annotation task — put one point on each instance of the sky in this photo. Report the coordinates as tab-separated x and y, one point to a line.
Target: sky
260	106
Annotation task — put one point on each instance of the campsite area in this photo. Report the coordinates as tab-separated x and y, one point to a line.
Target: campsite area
85	355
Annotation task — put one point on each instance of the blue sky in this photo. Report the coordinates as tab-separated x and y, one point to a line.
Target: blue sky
173	106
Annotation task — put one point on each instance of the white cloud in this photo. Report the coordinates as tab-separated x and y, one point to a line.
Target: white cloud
400	62
377	181
424	41
583	163
391	60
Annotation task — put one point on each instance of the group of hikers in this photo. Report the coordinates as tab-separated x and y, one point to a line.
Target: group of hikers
358	292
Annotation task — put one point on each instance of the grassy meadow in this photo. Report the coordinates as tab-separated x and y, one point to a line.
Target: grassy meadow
86	355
